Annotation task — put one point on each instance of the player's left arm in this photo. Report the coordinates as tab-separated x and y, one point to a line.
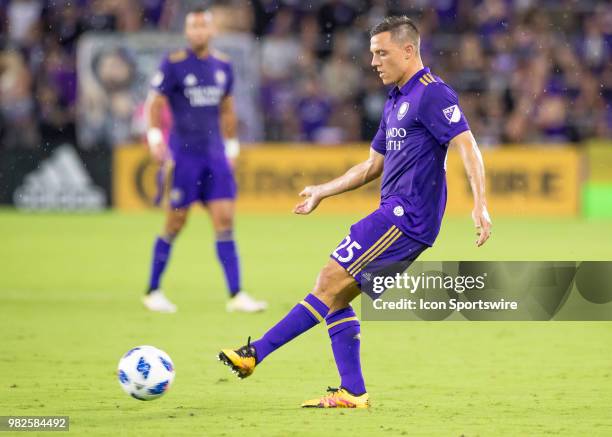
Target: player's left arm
229	128
441	115
474	167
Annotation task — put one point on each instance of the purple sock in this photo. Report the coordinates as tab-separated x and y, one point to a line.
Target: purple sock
300	319
161	253
228	257
344	329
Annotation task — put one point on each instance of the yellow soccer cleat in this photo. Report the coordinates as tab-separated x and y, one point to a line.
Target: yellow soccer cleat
242	361
339	398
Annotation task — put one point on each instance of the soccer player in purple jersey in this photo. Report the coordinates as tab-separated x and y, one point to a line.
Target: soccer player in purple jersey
196	83
420	120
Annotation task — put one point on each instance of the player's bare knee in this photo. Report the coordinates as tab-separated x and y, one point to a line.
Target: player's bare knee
223	224
222	214
332	286
175	223
333	296
343	297
172	230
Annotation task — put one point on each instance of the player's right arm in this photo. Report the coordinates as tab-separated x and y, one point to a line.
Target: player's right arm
355	177
154	107
163	84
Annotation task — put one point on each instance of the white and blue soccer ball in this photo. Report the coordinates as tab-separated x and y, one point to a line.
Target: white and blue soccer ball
145	373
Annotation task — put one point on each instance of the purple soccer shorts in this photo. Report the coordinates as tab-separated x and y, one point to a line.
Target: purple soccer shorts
375	244
192	177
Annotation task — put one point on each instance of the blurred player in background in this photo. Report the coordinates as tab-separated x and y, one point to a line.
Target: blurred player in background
420	120
196	83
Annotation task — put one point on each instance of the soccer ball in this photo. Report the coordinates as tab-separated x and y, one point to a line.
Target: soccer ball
145	372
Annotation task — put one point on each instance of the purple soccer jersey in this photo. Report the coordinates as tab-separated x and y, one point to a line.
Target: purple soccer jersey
199	170
417	124
194	88
418	121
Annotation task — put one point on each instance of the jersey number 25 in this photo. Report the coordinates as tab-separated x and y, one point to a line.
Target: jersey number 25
349	246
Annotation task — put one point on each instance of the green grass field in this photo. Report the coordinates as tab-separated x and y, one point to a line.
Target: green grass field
70	288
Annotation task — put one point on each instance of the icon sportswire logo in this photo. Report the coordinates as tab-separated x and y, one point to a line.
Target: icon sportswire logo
60	182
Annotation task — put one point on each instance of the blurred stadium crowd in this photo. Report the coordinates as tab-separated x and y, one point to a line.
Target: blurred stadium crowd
526	70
